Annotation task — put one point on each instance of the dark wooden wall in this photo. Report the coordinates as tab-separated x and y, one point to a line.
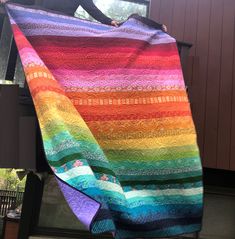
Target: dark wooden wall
210	26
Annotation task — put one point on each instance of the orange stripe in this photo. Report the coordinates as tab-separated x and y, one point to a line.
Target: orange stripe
130	101
129	126
133	109
42	81
124	95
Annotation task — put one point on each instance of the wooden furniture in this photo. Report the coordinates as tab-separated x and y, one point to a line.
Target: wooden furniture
9	200
10	228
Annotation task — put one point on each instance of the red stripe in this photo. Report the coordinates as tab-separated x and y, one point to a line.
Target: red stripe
133	109
82	46
21	39
87	58
110	50
111	65
100	42
96	61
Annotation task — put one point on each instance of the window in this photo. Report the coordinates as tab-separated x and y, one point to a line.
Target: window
56	218
119	10
54	211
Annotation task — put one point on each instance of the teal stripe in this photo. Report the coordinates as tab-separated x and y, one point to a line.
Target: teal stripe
149	200
102	226
164	164
83	183
167	199
94	152
57	139
62	154
167	209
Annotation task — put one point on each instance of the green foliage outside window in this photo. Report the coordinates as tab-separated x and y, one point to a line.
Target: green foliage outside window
115	9
10	181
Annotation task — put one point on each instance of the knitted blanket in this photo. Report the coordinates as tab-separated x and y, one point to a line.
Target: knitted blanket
115	121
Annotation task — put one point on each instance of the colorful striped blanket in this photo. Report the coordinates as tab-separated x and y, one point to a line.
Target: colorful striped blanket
115	120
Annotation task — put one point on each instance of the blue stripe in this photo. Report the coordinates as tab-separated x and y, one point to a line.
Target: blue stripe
170	231
20	16
158	208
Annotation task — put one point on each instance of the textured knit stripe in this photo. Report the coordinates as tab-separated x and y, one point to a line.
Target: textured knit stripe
115	120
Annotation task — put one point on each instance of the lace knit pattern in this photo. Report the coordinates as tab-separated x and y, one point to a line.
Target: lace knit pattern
115	120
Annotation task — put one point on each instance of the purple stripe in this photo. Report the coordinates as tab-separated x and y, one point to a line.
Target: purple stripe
96	79
82	206
54	32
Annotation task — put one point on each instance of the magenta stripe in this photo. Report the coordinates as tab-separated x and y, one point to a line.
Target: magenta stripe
117	78
116	71
32	57
122	83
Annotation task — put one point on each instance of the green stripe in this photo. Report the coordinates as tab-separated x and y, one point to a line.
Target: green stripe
65	160
163	164
162	182
195	173
57	139
98	163
102	170
58	127
168	153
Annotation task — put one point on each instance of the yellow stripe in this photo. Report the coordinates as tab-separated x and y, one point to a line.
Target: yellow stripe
149	143
159	124
54	106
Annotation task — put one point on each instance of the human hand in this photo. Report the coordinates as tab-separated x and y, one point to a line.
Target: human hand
164	28
113	23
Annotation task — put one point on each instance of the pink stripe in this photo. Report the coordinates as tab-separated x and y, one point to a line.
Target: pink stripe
29	56
116	78
108	72
113	78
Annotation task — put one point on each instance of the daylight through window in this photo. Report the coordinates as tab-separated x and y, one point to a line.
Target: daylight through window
119	10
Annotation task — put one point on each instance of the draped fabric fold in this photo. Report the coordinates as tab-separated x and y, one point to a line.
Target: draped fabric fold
115	120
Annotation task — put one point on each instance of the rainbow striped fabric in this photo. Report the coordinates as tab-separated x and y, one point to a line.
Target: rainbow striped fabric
115	120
